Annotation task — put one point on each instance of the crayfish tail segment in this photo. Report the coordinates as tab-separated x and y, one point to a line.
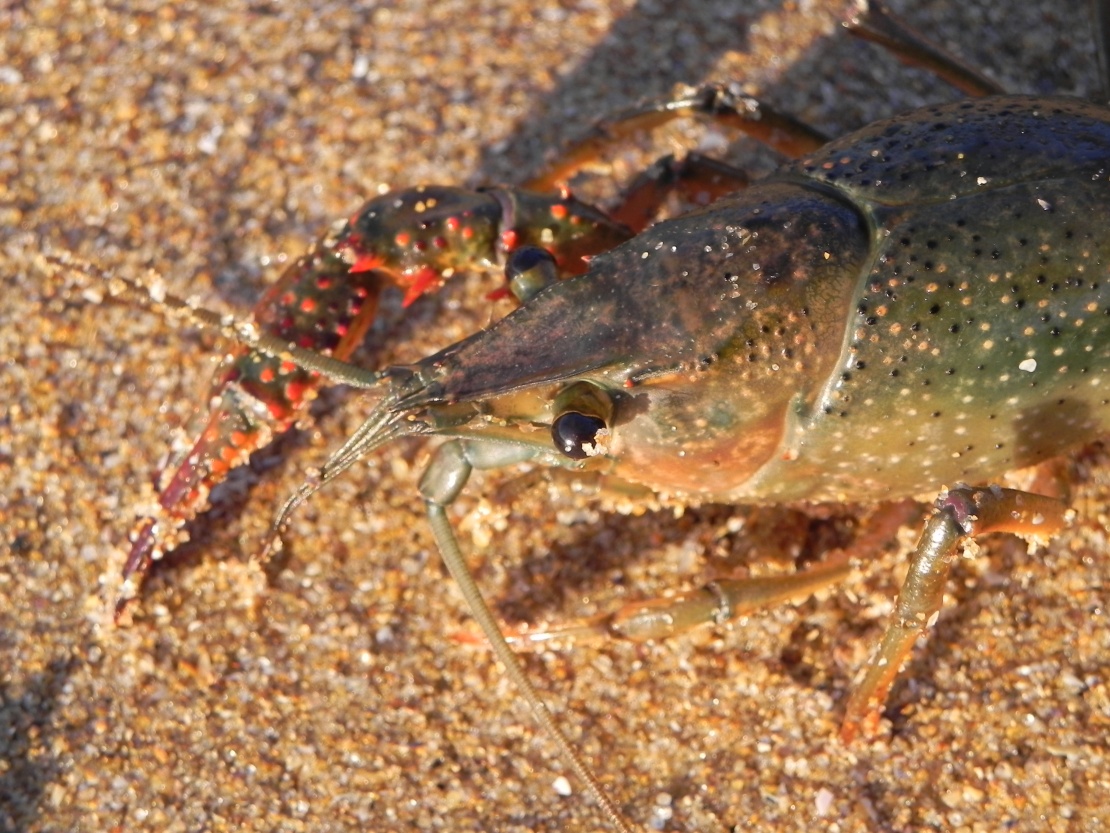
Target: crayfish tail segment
960	514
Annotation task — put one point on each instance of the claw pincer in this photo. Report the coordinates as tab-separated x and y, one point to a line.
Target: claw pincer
327	300
318	304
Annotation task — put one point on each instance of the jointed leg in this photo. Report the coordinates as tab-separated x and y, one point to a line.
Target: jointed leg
874	22
699	179
728	598
960	514
724	103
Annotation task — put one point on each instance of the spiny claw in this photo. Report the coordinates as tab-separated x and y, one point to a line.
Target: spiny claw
326	301
317	304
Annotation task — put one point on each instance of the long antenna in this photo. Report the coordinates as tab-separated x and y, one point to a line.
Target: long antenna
153	290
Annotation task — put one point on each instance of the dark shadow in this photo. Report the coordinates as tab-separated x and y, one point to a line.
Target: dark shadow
26	727
626	61
625	68
592	560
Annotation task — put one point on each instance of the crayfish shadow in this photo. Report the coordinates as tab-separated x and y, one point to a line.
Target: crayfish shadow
626	67
623	68
29	765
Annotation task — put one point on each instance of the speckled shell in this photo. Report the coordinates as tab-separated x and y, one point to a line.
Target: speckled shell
979	340
918	303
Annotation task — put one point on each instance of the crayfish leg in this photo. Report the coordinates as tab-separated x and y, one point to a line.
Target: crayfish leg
727	598
721	600
725	104
959	514
698	179
728	106
873	21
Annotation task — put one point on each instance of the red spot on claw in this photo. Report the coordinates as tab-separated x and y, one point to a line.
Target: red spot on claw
294	391
365	263
509	239
420	282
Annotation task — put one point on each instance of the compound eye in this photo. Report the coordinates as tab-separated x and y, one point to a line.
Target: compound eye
584	413
572	432
528	270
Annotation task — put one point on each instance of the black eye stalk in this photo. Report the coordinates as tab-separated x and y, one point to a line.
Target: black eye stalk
582	425
528	270
574	432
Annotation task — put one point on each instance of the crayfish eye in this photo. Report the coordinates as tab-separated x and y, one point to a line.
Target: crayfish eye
572	432
583	414
528	270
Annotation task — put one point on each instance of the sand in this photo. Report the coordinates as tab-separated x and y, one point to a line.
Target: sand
339	691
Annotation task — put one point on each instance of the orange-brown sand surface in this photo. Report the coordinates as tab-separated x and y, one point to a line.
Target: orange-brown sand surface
213	142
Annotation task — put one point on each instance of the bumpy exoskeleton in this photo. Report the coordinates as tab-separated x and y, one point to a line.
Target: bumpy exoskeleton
905	310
